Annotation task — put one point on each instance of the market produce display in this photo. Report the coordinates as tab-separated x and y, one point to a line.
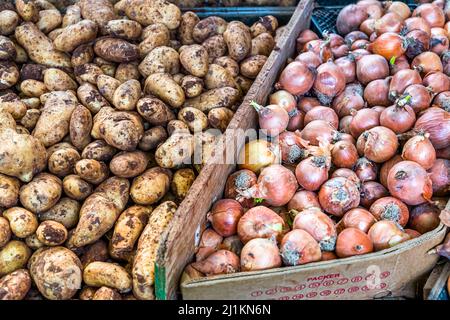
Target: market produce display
355	153
98	110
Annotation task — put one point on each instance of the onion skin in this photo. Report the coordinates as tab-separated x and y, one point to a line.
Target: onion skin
348	174
296	122
401	80
307	103
358	218
302	200
296	78
260	254
443	153
348	66
285	100
344	154
273	118
376	92
312	172
363	120
318	130
431	14
437	81
320	48
309	59
386	167
400	8
427	62
390	208
329	82
299	247
424	218
360	44
368	27
344	124
259	222
440	177
352	242
436	122
410	183
350	99
413	233
292	147
225	215
219	262
388	45
232	244
319	226
239	181
256	155
418	42
439	41
386	234
322	113
442	100
401	63
209	243
366	170
354	36
416	23
420	97
399	117
372	191
371	67
338	195
328	255
420	149
379	144
390	22
350	18
305	37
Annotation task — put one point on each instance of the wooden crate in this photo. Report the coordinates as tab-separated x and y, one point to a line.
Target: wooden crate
179	240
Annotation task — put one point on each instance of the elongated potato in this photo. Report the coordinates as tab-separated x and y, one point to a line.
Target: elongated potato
62	162
185	31
143	271
99	150
5	231
152	138
99	11
7	49
123	28
51	233
105	293
80	127
98	274
33	88
116	50
129	164
262	44
195	59
153	36
12	104
216	47
97	251
215	98
195	119
13	256
87	73
21	221
151	186
164	87
127	230
9	74
219	118
107	85
182	182
251	66
72	16
127	95
28	10
76	188
127	71
49	20
65	212
219	77
58	80
15	285
82	55
91	98
265	24
238	39
160	60
91	170
9	20
154	111
56	271
176	150
42	193
148	12
10	187
208	27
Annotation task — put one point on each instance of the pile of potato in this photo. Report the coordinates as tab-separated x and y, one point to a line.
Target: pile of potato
233	3
98	107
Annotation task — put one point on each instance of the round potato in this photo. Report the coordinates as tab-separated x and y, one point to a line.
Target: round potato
82	55
219	77
12	104
192	86
176	150
7	49
181	182
99	11
62	162
98	274
72	16
28	10
91	98
33	88
129	164
265	24
208	27
219	118
65	212
195	119
30	119
216	47
105	293
10	191
87	72
56	80
195	60
32	71
151	186
91	170
123	28
176	125
116	50
42	193
154	111
262	44
21	221
229	64
87	293
49	20
185	31
238	39
15	285
127	71
153	36
127	95
99	150
251	67
51	233
76	188
33	242
164	87
244	83
5	231
9	20
97	251
152	138
160	60
9	74
156	11
13	256
107	85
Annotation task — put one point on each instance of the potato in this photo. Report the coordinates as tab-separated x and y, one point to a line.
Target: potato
75	35
58	146
87	293
76	188
195	119
21	221
151	186
129	164
51	233
9	74
176	150
143	271
164	87
42	193
160	60
56	271
251	67
107	85
176	125
265	24
98	274
116	50
185	31
192	86
219	77
15	285
244	83
127	95
208	27
97	251
11	103
39	47
215	98
27	10
33	88
108	68
58	80
7	49
99	11
99	150
91	170
127	230
100	211
23	155
182	182
219	118
148	12
216	47
80	127
91	98
22	130
127	71
205	145
62	162
152	138
32	71
13	256
238	40
154	36
10	191
49	20
123	28
154	111
178	77
195	59
54	33
262	44
82	55
5	231
33	242
45	5
21	54
87	73
9	20
72	16
31	103
65	212
105	293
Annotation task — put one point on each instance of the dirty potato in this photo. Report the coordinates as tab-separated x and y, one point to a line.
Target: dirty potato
244	83
127	95
251	67
265	24
12	104
91	170
9	20
87	293
51	233
13	256
219	77
10	187
99	150
21	221
72	16
87	72
229	64
176	150
49	20
208	27
33	88
91	98
192	86
82	55
164	87
105	293
123	28
107	85
5	231
99	11
205	143
195	59
148	12
99	274
58	80
116	50
195	119
127	71
160	60
33	242
215	46
129	164
238	39
42	193
15	285
176	125
151	186
62	162
97	251
215	98
76	188
9	74
185	31
80	127
182	182
219	118
153	36
7	49
154	111
65	212
262	44
28	10
152	138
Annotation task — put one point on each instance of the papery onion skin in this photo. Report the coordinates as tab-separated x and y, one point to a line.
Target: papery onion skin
219	262
388	45
352	242
321	48
349	19
368	27
292	147
318	130
437	82
420	97
440	177
418	42
328	255
399	8
348	174
431	13
239	181
322	113
436	122
296	122
390	208
209	243
442	100
376	92
424	218
371	67
296	78
401	63
401	80
344	154
350	99
285	100
354	36
427	62
304	37
299	247
443	153
302	200
420	149
379	144
358	218
363	120
386	234
439	42
310	59
273	118
399	117
259	222
312	172
348	66
410	183
260	254
307	103
366	170
344	124
386	167
329	82
232	244
225	215
256	155
416	23
338	195
372	191
360	44
413	233
390	22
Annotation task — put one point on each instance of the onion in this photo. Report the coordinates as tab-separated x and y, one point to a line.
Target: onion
358	218
409	182
322	113
373	8
359	53
390	22
273	118
444	251
386	234
348	174
371	67
344	124
446	62
309	59
209	243
299	247
239	181
296	78
390	208
302	200
318	225
389	45
401	80
439	41
219	262
232	244
378	144
372	191
363	120
376	92
436	122
312	172
349	18
318	130
305	37
350	99
360	44
321	48
416	23
400	8
431	14
292	146
386	167
276	185
447	13
443	153
442	100
328	255
412	233
437	81
440	177
401	63
285	100
399	117
366	170
260	254
348	66
337	45
420	149
329	82
427	62
344	154
424	218
338	195
256	155
352	242
259	222
225	215
307	103
354	36
296	121
368	27
420	97
418	42
439	3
